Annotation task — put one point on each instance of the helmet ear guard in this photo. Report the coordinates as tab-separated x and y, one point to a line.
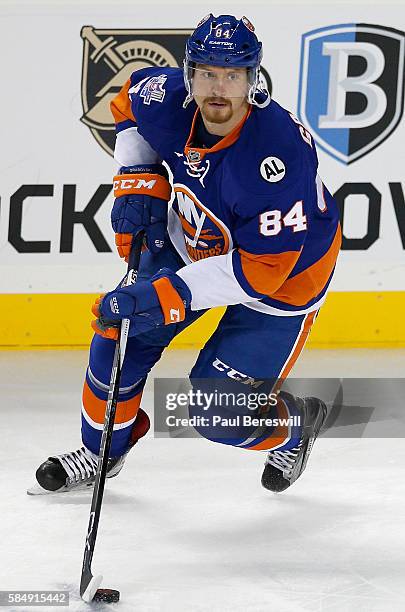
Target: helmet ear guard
229	43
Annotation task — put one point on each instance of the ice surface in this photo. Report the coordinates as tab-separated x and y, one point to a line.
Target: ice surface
186	526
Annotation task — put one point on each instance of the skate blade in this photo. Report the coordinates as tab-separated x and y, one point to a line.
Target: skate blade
92	588
36	489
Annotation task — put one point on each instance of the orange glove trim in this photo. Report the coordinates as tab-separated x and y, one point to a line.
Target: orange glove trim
150	184
95	308
123	243
112	332
170	301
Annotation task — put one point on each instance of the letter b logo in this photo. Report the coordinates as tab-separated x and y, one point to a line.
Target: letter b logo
351	87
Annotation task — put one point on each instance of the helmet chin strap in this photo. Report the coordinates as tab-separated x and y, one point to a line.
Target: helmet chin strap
187	82
188	99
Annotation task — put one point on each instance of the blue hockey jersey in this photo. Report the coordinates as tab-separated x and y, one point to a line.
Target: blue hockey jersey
250	216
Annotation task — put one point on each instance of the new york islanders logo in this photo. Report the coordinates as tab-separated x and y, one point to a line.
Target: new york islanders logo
351	92
204	234
109	58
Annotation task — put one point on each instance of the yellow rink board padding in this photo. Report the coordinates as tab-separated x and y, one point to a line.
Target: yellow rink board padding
348	319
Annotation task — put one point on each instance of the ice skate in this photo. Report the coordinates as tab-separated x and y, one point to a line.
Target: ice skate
77	470
74	470
282	468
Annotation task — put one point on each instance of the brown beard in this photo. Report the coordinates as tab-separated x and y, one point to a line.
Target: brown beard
217	115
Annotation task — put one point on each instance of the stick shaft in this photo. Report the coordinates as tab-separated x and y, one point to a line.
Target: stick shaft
106	438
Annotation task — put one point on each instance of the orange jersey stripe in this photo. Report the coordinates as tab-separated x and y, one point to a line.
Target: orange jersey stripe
95	407
306	285
121	105
266	273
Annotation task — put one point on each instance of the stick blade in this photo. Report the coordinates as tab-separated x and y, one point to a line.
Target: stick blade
91	589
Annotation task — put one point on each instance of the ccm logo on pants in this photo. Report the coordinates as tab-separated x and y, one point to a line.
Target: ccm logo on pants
243	378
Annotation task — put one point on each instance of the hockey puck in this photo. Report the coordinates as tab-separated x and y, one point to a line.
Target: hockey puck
107	595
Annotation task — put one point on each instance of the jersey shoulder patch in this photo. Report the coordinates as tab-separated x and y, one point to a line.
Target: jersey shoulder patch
157	96
149	85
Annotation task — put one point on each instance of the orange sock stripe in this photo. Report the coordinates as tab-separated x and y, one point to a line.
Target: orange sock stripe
170	301
95	407
280	435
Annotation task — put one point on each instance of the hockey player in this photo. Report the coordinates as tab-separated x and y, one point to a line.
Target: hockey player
251	227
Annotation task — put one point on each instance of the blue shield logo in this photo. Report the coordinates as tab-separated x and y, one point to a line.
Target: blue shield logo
351	92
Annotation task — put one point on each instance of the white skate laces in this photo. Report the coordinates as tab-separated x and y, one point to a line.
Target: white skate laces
284	460
80	465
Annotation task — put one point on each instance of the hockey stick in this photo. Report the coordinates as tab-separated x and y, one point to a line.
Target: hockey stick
89	584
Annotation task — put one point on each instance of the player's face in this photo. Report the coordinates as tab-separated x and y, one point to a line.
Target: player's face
219	92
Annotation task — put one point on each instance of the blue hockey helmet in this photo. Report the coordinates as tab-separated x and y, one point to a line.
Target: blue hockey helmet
230	43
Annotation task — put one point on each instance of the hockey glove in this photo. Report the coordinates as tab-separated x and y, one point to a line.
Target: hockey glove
148	304
141	197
